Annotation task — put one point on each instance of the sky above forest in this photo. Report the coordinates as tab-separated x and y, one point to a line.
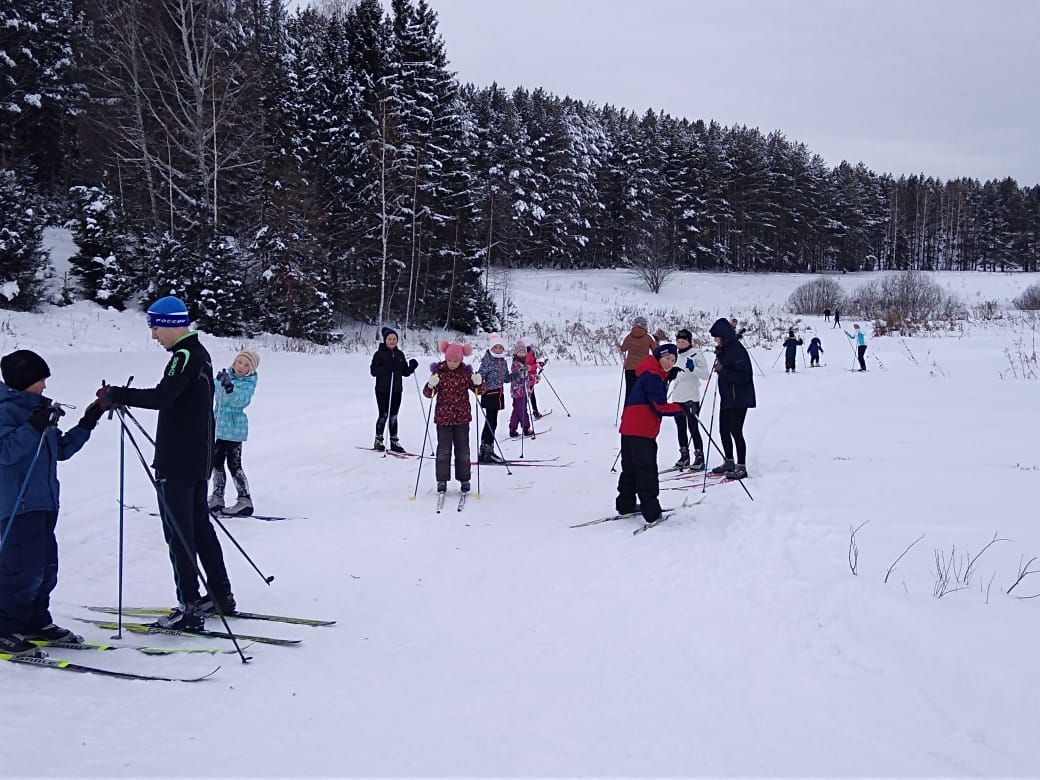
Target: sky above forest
946	88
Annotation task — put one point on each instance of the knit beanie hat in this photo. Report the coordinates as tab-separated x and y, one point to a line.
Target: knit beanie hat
23	368
666	349
685	334
455	352
640	322
388	332
251	358
168	312
520	346
496	340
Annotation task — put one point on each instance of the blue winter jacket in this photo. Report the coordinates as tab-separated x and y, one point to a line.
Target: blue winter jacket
229	408
857	338
736	377
18	443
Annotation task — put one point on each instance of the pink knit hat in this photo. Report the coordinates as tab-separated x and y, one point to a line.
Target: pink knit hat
454	352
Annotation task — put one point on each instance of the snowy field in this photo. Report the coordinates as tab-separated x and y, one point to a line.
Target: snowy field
731	640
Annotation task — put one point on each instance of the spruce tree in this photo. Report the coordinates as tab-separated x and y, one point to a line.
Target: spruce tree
23	262
103	266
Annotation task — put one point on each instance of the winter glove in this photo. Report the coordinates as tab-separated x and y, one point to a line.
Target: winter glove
109	397
91	415
225	381
690	365
477	378
44	416
413	364
433	381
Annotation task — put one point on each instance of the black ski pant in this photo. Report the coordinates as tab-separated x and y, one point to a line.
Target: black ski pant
389	405
28	571
534	402
230	453
492	403
688	419
861	352
453	437
184	509
638	478
630	381
731	429
814	360
790	362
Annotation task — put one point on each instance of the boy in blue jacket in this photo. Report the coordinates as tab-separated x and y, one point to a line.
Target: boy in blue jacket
30	448
232	429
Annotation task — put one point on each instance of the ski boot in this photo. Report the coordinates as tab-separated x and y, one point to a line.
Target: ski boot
738	472
216	503
379	446
684	459
187	617
698	461
442	487
485	456
513	434
395	445
464	486
242	507
15	645
227	605
52	633
725	467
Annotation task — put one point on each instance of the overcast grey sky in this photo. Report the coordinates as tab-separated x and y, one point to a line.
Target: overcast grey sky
940	87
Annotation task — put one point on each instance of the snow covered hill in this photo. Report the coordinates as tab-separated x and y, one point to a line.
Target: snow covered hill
733	639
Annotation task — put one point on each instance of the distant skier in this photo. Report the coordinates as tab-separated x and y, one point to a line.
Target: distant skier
232	429
389	365
640	424
815	348
520	383
495	373
534	367
691	367
826	315
451	381
736	389
791	344
635	347
837	319
858	339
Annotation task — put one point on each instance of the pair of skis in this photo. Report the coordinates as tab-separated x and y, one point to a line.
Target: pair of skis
442	497
69	666
665	514
266	518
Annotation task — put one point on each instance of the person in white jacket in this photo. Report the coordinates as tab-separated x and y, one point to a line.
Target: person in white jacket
691	367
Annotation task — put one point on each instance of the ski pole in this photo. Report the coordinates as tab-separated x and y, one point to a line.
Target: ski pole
753	358
777	359
122	513
542	374
495	439
476	438
389	403
21	490
716	446
613	466
422	452
267	580
169	521
422	412
617	415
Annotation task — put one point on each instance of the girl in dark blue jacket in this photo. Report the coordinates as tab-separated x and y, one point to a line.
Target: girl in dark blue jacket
736	389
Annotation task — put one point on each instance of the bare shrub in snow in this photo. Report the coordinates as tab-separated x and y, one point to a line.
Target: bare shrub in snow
815	296
905	302
1029	300
897	560
854	548
1024	571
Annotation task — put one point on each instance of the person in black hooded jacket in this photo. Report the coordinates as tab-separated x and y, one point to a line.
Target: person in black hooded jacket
736	388
389	365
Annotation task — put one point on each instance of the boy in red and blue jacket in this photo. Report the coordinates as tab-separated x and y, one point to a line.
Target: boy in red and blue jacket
640	424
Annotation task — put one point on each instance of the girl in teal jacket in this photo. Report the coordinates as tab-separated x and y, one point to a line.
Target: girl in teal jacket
232	429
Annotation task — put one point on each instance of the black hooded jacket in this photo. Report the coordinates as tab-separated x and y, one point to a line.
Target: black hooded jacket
736	375
390	363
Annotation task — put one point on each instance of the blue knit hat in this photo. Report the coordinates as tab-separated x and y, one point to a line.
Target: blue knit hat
666	349
168	312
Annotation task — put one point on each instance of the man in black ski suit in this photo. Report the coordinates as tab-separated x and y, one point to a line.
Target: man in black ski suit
183	457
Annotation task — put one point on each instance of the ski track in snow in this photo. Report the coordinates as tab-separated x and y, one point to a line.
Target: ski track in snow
733	639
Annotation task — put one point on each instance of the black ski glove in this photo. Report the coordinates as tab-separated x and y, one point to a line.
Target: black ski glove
225	381
91	415
44	416
413	364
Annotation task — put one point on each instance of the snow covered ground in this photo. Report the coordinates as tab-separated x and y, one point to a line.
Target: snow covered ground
732	640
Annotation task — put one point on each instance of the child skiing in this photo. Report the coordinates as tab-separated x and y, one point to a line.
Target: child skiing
815	348
232	428
859	339
640	424
736	389
388	367
495	373
791	344
534	366
451	381
521	383
31	446
637	345
691	367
